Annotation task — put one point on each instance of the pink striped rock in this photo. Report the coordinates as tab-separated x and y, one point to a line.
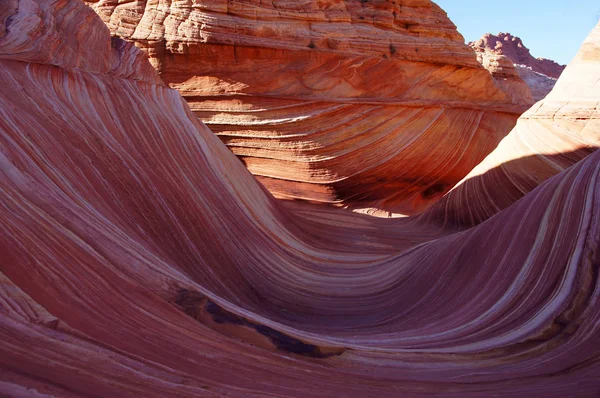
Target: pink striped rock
140	258
355	103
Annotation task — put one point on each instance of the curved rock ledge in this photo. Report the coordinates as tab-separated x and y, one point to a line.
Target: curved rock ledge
139	257
356	103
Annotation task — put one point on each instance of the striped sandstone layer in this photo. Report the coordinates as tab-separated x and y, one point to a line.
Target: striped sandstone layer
554	134
360	103
139	257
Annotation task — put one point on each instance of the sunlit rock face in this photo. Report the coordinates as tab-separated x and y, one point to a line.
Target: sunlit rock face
513	48
539	74
507	75
554	134
540	84
140	258
359	103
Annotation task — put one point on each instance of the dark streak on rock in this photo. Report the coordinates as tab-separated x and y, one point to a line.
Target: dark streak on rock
434	190
8	22
192	303
117	43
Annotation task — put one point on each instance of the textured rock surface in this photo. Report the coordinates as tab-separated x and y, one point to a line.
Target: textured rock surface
353	102
540	84
512	47
140	258
550	137
496	52
507	75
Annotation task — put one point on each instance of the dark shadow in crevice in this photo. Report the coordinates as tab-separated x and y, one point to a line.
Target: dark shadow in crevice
217	318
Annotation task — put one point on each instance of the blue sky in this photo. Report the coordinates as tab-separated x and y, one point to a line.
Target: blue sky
551	29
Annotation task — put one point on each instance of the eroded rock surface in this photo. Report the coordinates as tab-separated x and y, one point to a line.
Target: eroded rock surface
497	52
513	48
139	257
554	134
360	103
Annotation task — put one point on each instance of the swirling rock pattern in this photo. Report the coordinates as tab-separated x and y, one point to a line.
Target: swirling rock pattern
347	102
139	257
553	135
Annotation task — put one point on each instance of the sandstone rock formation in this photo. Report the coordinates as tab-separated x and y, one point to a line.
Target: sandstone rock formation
550	137
513	48
349	102
539	84
508	76
540	74
140	258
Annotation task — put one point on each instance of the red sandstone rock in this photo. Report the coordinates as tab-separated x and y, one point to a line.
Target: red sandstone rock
139	257
507	75
513	48
554	134
539	74
345	102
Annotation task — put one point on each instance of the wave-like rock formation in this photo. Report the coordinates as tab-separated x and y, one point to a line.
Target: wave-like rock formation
349	102
139	257
554	134
501	51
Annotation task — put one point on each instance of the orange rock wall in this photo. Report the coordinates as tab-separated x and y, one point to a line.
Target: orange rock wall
346	102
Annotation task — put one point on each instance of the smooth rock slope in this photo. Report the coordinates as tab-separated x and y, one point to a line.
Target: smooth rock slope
139	257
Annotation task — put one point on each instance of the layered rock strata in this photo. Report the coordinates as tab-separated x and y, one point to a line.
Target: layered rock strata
347	102
508	76
139	257
497	52
554	134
